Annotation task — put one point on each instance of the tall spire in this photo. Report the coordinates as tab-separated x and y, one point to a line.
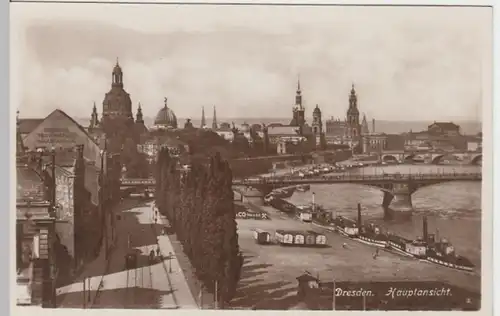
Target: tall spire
203	123
139	116
298	95
94	119
353	98
214	120
364	126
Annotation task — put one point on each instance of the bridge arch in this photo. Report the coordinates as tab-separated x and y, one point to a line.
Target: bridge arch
389	157
475	159
408	157
437	159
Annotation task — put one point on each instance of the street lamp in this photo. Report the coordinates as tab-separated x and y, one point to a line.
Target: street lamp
170	262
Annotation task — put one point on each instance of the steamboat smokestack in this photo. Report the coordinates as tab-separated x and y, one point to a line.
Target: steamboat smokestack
425	234
359	215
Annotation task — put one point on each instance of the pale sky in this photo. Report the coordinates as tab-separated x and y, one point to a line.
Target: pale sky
407	63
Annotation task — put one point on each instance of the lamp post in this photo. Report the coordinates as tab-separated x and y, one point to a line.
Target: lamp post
170	262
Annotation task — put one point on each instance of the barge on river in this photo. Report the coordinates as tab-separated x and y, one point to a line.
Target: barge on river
300	238
427	248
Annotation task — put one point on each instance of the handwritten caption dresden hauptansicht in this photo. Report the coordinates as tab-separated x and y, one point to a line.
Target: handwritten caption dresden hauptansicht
396	292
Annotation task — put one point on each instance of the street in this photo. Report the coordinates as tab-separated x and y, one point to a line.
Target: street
156	284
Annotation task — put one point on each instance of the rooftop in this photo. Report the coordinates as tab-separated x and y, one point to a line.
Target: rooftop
27	125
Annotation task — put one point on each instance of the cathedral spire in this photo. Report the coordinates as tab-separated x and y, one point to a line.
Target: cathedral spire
203	123
214	120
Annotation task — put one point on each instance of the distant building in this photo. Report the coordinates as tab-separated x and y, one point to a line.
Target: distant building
444	129
417	140
374	143
474	144
297	135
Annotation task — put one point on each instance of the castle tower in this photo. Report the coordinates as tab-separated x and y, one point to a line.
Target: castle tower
203	122
214	120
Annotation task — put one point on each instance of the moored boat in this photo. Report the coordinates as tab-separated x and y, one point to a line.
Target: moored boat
303	187
370	234
425	248
346	226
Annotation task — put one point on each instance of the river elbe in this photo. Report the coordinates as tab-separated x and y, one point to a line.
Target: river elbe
453	209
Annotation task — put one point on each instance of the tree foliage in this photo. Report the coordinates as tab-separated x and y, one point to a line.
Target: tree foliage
199	206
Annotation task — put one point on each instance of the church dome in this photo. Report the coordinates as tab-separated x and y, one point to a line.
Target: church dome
117	101
166	117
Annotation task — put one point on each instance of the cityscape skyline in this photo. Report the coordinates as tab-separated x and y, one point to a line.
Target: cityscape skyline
392	64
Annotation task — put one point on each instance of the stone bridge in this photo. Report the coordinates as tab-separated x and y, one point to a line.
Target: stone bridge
397	188
432	157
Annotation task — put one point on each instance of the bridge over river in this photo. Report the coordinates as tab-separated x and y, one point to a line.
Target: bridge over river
397	187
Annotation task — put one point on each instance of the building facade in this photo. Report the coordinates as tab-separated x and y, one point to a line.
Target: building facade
35	238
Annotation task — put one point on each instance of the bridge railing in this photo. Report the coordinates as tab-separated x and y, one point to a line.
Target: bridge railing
353	177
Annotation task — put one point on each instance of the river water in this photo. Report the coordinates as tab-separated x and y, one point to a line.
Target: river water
453	209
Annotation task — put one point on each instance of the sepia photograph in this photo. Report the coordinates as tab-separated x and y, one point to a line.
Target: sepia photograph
251	157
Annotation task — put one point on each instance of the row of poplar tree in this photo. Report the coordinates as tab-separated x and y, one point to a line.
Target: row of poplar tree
199	206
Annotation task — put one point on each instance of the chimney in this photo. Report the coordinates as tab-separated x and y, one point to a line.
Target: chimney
359	215
425	234
373	126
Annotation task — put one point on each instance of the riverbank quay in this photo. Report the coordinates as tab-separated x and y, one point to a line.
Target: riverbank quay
273	268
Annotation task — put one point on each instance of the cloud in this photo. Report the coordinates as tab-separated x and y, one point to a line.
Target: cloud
405	66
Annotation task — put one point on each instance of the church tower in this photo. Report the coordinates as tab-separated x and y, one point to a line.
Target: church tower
139	119
317	127
298	109
317	124
353	126
94	119
117	120
214	120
